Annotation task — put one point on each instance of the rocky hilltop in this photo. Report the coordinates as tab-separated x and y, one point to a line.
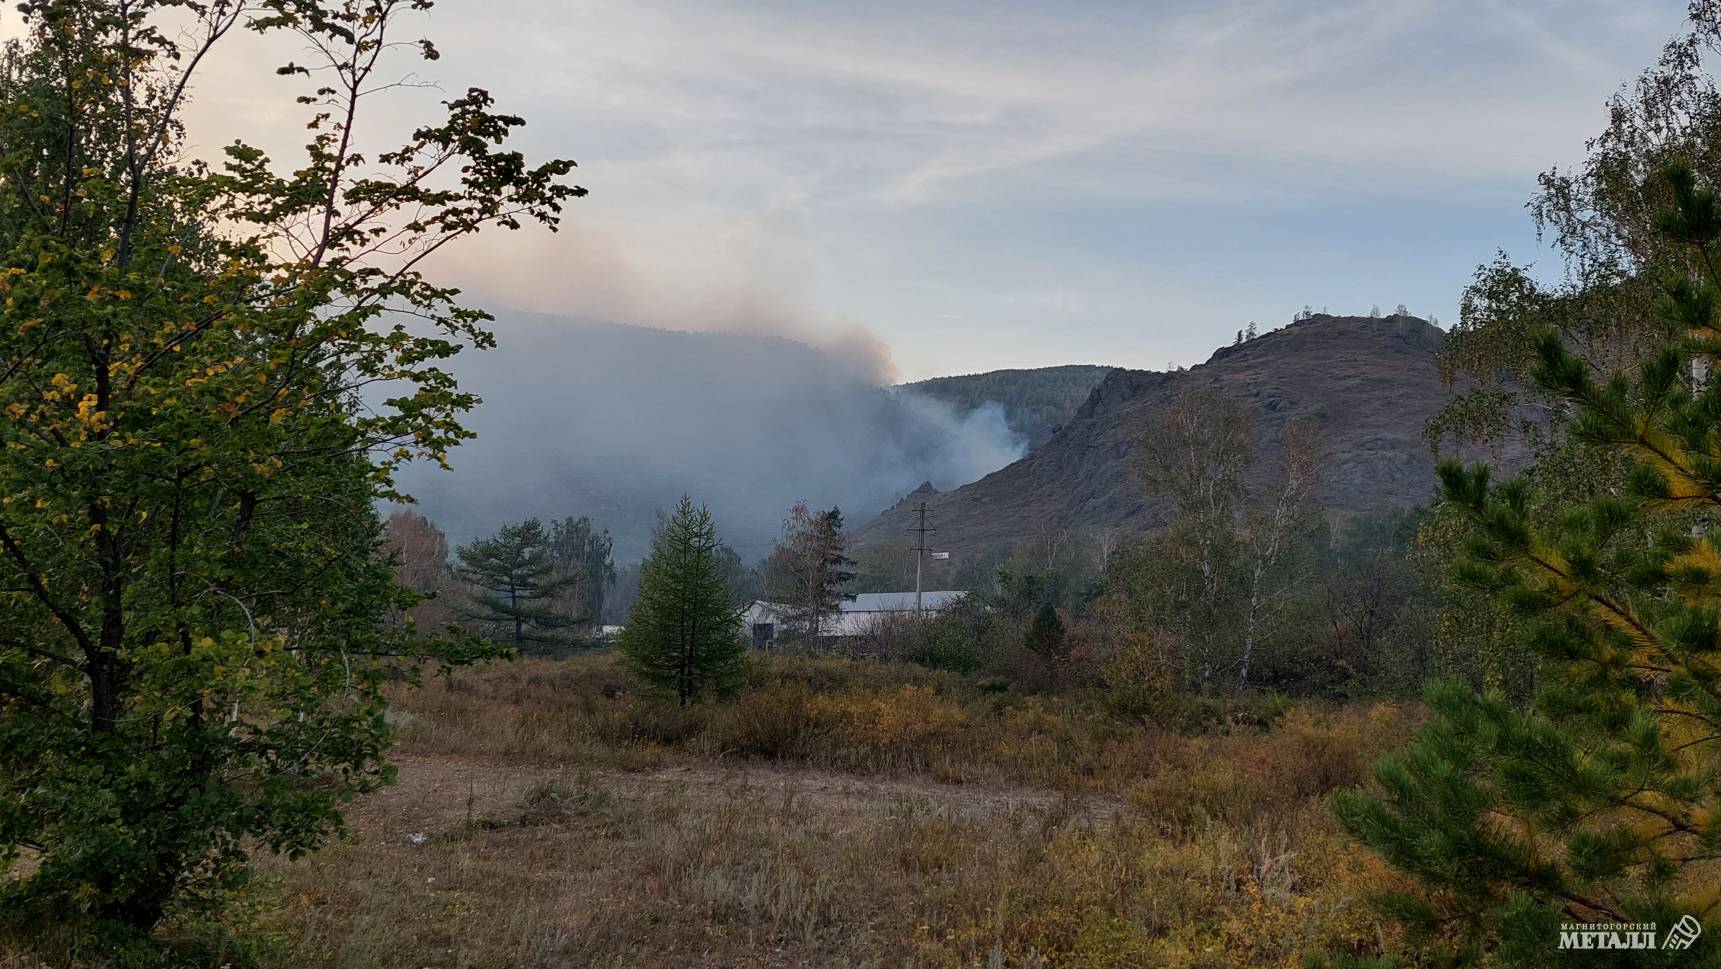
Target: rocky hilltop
1370	382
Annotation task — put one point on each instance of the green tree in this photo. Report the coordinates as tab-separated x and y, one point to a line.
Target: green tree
517	586
1600	801
684	634
1601	216
809	569
1375	606
1047	640
1218	582
579	548
745	584
193	587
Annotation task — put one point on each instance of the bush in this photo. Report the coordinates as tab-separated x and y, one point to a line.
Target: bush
1250	777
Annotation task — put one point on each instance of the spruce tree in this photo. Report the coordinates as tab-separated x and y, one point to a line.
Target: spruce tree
683	635
809	569
518	589
1600	801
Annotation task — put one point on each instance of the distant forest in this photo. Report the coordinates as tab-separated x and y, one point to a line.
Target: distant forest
1036	402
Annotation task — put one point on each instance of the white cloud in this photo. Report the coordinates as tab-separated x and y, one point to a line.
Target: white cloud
806	167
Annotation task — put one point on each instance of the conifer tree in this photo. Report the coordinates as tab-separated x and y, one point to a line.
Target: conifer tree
519	590
683	635
809	569
1601	800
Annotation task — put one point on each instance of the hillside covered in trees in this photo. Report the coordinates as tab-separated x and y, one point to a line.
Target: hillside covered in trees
1036	401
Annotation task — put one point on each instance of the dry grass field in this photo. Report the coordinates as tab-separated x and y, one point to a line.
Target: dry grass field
838	814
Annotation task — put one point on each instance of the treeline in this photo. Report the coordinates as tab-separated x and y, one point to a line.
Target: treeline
1035	402
1245	585
533	587
546	589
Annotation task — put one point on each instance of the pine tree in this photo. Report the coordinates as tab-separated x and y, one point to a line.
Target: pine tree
683	635
518	587
1601	800
809	569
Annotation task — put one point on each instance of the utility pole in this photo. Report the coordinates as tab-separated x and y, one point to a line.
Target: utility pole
919	528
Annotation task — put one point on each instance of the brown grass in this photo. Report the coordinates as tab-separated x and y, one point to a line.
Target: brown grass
858	716
837	815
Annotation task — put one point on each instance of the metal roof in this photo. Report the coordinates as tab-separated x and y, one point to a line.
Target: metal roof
900	601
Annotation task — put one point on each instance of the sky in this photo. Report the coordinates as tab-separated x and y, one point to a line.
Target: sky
957	187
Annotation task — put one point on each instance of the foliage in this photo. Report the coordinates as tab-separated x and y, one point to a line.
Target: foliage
1375	609
746	584
518	588
1035	402
579	549
956	639
683	635
1047	640
195	596
1208	591
1601	801
1473	635
1602	218
809	570
420	553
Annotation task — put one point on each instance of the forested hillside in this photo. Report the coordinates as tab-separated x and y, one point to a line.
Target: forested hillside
1036	402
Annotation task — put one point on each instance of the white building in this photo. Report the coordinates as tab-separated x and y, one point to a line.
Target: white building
763	621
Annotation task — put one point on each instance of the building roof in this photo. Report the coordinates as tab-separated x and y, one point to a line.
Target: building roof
900	601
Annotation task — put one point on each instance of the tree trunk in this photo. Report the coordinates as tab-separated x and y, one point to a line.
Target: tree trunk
519	624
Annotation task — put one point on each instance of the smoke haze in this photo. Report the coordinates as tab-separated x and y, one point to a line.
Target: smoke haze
582	417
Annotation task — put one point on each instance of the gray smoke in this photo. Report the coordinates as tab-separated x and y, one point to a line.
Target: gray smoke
616	422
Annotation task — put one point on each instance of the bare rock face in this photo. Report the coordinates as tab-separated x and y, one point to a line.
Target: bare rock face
1371	384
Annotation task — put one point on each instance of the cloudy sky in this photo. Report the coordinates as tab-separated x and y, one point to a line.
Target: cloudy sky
962	186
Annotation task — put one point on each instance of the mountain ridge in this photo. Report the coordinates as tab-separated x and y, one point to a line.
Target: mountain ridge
1370	382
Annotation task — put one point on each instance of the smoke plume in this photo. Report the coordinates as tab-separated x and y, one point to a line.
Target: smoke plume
582	417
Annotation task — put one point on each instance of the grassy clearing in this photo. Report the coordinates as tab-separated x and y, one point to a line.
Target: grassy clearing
839	814
857	716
